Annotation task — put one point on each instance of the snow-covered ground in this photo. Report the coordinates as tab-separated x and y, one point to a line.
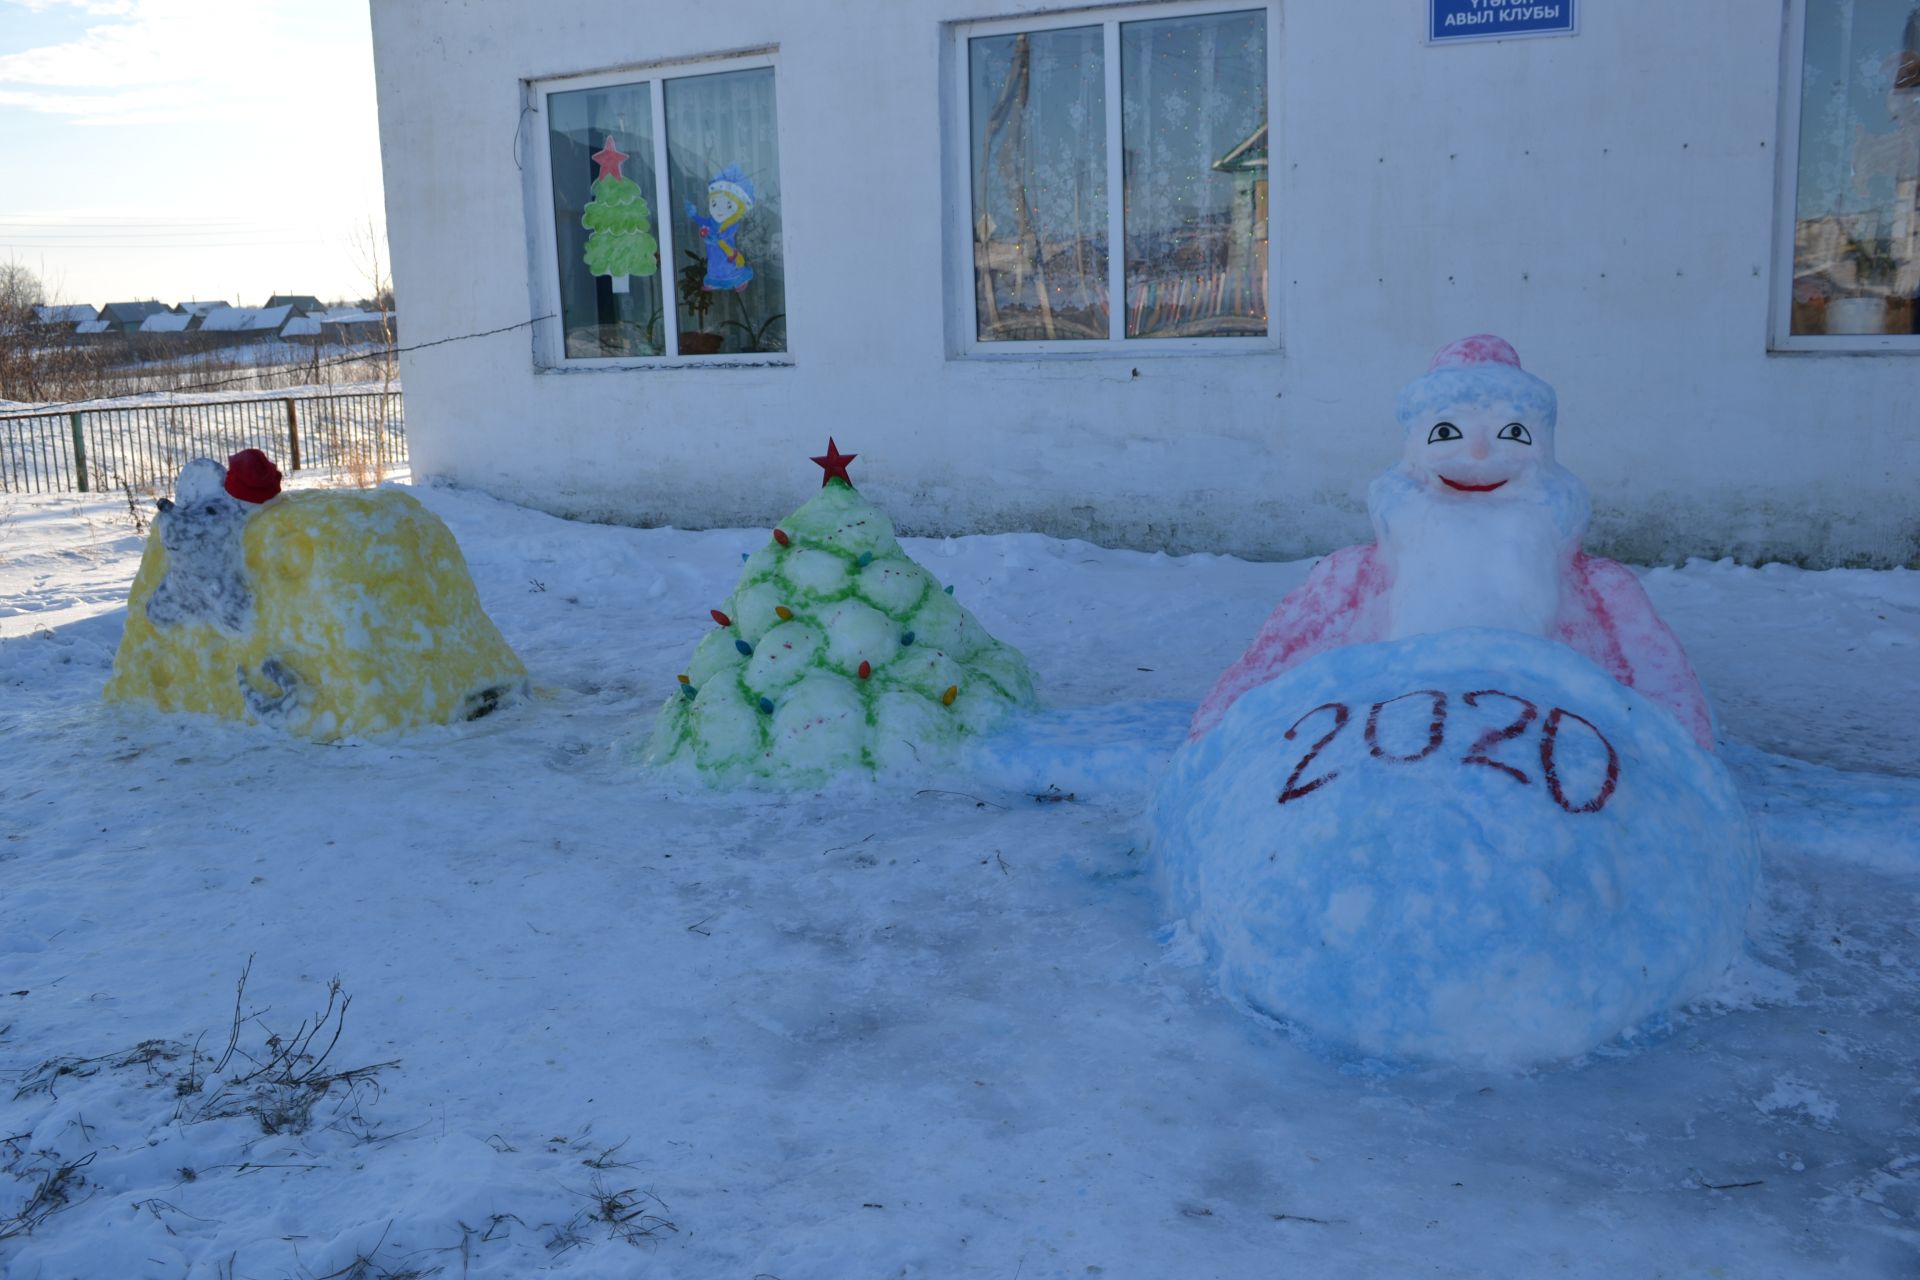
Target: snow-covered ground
636	1028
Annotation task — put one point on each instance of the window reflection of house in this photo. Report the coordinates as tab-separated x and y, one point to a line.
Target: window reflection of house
1856	260
1246	263
1191	154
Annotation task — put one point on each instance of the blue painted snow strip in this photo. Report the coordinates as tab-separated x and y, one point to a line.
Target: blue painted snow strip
1116	751
1869	819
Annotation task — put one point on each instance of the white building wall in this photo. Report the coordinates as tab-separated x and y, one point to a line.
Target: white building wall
1605	201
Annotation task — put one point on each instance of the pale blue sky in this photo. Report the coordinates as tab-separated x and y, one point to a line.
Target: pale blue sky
179	149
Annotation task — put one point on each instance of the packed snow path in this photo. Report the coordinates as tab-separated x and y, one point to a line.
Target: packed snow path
872	1032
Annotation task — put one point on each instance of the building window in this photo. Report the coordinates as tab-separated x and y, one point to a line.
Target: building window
665	215
1855	178
1112	159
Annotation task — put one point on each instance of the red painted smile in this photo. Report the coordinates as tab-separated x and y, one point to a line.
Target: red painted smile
1471	488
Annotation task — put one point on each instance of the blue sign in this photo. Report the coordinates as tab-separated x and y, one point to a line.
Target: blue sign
1449	20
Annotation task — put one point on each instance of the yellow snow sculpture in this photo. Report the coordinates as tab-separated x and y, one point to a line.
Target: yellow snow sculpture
329	614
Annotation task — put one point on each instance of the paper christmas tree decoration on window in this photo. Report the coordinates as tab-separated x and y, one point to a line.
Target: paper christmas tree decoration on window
621	243
836	653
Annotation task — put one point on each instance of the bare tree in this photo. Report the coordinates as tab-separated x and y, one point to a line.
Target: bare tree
370	249
20	288
37	361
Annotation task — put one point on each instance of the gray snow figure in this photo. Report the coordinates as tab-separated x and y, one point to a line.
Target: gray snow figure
206	568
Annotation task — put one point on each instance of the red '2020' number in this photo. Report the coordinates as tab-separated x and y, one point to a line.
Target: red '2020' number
1550	739
1293	791
1479	753
1436	727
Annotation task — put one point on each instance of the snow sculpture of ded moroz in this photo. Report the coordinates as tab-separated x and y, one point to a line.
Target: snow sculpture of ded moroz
836	653
328	614
1459	801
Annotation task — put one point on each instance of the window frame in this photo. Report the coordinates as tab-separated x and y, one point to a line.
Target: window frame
550	332
1781	338
962	303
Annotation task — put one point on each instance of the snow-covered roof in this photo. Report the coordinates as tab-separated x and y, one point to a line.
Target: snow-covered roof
200	308
130	312
301	327
93	326
65	315
166	322
244	319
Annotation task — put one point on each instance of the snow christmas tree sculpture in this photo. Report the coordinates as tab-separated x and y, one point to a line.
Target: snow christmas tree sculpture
621	243
325	614
836	652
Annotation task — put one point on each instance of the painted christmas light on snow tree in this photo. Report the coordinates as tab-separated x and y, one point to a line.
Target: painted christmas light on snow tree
328	614
836	652
621	223
1459	799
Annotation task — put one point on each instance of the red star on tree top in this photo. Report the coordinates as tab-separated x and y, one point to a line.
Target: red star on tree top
834	463
609	158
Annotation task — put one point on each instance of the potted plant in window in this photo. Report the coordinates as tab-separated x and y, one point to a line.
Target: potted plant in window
1864	308
697	300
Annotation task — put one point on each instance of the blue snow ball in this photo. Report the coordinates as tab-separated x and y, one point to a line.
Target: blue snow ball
1471	847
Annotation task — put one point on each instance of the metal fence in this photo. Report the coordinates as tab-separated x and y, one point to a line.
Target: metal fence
142	447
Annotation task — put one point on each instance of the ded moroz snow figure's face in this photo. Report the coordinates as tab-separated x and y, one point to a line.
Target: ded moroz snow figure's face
1476	421
1477	523
1478	448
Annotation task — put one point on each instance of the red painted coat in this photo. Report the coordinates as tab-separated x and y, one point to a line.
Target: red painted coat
1604	616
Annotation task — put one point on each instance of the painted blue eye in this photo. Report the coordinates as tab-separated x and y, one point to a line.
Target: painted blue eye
1514	431
1443	431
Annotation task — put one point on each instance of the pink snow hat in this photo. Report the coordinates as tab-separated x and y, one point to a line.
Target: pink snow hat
1477	370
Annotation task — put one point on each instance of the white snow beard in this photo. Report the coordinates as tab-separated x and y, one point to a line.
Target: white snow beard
1477	559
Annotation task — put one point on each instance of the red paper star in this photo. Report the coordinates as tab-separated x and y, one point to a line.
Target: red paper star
609	158
834	463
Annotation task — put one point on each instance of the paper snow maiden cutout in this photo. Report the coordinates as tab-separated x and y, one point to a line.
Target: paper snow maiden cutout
1476	526
621	243
326	614
836	653
729	199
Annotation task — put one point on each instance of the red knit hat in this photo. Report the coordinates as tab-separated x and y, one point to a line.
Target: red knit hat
252	477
